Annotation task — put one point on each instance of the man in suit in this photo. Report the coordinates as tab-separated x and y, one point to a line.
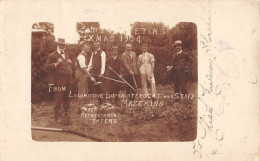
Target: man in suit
129	66
114	64
97	66
180	66
82	74
59	65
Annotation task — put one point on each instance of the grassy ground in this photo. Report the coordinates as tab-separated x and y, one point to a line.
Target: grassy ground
175	121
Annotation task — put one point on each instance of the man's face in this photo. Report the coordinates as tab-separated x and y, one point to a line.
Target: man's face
114	52
178	48
61	47
86	48
128	47
144	48
96	45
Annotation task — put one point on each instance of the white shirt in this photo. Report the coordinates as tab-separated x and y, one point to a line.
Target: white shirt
82	61
63	55
179	53
103	61
114	57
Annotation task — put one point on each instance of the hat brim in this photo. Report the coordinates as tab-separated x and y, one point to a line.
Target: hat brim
178	45
61	43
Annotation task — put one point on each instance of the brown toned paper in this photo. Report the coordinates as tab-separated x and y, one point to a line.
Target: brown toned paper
186	75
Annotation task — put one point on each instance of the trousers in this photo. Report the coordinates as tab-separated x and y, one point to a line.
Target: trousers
146	75
180	82
82	87
62	96
129	90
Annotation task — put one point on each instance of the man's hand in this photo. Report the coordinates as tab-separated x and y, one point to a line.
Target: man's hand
58	62
131	72
69	61
92	79
150	76
120	76
169	68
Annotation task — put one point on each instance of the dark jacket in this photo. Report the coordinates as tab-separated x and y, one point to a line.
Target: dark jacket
63	68
181	62
129	64
116	65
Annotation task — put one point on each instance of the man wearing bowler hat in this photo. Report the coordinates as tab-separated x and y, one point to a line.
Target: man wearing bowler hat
59	65
180	66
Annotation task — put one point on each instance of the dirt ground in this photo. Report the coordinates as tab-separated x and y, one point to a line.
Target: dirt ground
56	136
175	121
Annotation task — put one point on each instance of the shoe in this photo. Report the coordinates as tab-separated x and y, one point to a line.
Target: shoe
57	116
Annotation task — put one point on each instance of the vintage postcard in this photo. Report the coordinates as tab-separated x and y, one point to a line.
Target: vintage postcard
138	85
129	80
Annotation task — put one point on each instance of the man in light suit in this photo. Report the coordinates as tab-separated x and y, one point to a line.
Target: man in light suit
59	65
129	72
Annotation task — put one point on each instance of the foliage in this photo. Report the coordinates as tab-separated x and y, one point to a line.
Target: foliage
159	37
42	45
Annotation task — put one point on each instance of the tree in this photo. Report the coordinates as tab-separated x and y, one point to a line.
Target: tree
42	44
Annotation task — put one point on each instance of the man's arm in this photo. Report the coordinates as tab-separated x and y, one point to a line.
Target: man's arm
135	63
152	63
82	64
51	63
90	63
139	62
124	62
103	63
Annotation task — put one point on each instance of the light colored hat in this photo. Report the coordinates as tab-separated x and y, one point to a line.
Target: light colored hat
178	42
61	41
114	47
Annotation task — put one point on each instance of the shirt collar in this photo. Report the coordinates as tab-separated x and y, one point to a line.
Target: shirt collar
115	57
59	51
179	52
97	50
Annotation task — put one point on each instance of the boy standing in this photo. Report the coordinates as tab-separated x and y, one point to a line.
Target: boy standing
146	66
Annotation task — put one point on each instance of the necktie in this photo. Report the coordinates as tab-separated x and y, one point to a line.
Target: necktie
62	54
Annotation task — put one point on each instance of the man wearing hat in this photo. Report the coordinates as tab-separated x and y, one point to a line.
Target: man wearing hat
59	65
180	66
114	65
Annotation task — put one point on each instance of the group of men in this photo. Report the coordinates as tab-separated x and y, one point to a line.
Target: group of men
93	68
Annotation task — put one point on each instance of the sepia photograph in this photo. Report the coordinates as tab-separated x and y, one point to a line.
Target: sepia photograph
126	80
133	84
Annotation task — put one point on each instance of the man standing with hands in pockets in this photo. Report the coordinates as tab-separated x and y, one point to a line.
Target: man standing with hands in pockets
59	65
